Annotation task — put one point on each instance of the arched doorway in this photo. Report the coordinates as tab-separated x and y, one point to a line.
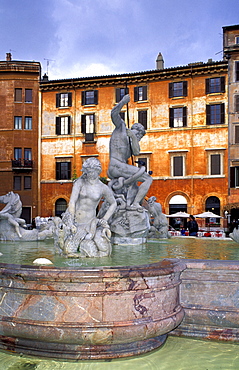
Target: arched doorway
60	207
177	203
213	205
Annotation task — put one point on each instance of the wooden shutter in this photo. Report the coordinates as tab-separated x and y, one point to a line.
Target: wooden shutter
185	88
58	170
69	99
69	125
69	170
237	71
207	85
178	166
95	96
136	94
83	124
171	117
208	114
58	100
170	89
222	109
232	177
236	134
117	96
58	125
184	116
215	164
145	93
237	103
142	118
222	82
83	98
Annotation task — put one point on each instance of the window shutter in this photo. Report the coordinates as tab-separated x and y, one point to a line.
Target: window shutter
208	115
236	134
58	170
185	88
145	93
207	85
83	98
117	96
237	71
142	118
136	95
69	99
95	96
222	108
223	84
171	117
184	116
69	170
57	100
170	89
83	124
232	177
69	125
58	125
215	164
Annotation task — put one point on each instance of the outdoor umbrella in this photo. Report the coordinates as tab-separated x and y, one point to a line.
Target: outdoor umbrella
179	214
207	215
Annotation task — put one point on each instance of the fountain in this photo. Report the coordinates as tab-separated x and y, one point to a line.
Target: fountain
93	312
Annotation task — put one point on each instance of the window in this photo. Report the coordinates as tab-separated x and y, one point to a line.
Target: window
215	85
60	207
120	93
177	165
215	114
143	161
63	100
88	126
178	117
89	97
27	153
234	177
63	170
236	134
63	125
18	95
237	71
237	103
140	93
215	164
17	153
177	89
28	123
237	40
28	96
27	182
142	118
17	183
17	123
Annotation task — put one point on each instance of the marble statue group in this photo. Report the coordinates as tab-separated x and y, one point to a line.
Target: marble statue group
99	215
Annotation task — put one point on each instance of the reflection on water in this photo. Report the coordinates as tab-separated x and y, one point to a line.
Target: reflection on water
214	249
176	354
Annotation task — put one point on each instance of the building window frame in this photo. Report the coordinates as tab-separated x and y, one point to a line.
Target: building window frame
215	85
234	177
178	117
89	97
63	169
215	114
27	182
236	134
28	95
17	123
143	160
28	123
178	159
63	100
88	126
215	160
237	71
120	92
143	117
17	183
63	125
236	103
140	93
178	89
17	153
18	95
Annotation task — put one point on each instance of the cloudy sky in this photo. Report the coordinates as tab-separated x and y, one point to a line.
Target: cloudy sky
75	38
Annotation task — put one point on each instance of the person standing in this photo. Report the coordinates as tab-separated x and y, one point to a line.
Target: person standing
192	226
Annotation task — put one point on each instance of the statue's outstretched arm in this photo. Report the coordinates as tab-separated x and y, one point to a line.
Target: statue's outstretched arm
115	113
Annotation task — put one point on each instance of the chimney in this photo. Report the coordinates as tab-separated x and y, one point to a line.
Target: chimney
8	57
159	61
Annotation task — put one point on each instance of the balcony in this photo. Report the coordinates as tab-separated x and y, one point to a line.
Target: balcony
22	165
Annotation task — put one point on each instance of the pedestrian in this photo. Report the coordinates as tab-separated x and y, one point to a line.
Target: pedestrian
192	226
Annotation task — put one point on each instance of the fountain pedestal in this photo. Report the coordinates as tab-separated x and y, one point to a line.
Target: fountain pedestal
88	313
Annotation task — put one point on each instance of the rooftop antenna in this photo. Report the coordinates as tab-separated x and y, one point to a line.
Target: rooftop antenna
47	64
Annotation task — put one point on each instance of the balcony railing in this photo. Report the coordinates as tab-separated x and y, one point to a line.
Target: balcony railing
22	164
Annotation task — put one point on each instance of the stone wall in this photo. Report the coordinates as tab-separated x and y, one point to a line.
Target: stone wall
210	297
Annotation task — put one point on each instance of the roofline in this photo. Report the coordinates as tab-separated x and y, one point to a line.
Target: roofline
137	77
233	27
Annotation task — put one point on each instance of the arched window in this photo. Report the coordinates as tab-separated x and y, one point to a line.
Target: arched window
60	207
177	203
213	205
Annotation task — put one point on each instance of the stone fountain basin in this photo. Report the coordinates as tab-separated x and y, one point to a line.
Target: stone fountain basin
88	313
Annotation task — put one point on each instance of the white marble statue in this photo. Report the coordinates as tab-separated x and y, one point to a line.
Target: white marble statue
81	233
159	223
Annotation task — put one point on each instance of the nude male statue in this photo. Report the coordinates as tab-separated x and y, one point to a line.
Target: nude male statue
123	143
